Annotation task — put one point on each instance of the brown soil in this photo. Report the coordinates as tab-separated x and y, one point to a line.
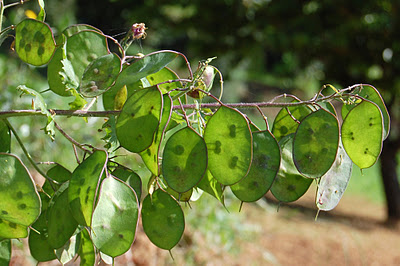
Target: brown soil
353	234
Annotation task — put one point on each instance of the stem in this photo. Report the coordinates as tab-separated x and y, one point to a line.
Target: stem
70	139
33	163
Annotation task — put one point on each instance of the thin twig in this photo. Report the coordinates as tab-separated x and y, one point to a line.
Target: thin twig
73	141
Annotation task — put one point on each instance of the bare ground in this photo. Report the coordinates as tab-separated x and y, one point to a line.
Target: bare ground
353	234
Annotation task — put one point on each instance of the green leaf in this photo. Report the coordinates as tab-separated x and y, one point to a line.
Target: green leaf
115	218
131	178
59	173
184	160
61	224
163	75
5	137
362	134
99	75
79	101
211	186
264	167
86	252
110	138
333	184
68	251
39	247
289	184
372	94
83	186
284	124
19	201
229	143
5	252
42	13
34	42
316	143
40	104
182	197
139	119
150	156
162	219
131	75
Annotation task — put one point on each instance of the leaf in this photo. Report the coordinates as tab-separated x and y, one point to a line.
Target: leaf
38	245
333	184
362	134
79	101
184	160
139	119
5	252
163	75
60	221
19	201
86	252
115	218
211	186
59	173
151	156
131	75
229	143
162	219
289	184
316	143
34	42
40	104
5	137
83	186
42	13
284	123
68	251
264	168
99	75
131	178
372	94
110	138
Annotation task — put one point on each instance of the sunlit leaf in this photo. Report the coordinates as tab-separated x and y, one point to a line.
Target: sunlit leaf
184	162
211	186
163	220
284	123
86	252
316	143
139	119
362	134
34	42
100	75
19	201
115	218
5	252
289	184
264	167
83	186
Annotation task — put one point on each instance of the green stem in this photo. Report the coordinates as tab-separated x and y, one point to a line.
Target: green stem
33	163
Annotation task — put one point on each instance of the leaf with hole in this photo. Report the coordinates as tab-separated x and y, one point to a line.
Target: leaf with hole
264	167
83	186
19	200
139	119
284	124
162	219
289	184
115	218
333	184
316	143
184	160
34	42
99	75
362	134
229	144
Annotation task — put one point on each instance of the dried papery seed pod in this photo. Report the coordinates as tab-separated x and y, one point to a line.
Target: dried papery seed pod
138	31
